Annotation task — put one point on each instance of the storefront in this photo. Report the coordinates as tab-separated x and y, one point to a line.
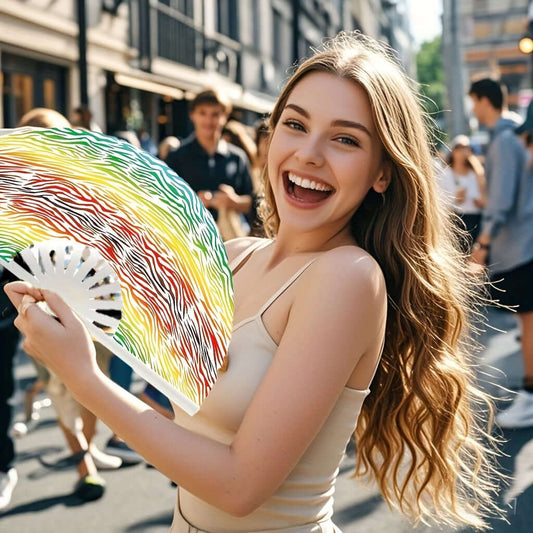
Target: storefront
29	83
135	104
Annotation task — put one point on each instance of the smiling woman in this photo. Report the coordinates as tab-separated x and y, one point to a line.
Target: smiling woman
333	146
352	315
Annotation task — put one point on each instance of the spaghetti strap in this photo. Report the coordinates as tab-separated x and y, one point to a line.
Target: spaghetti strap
237	261
284	287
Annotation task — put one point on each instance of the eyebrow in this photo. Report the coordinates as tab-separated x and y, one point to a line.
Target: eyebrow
338	122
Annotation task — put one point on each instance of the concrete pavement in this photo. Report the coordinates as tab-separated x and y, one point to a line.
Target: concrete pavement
140	499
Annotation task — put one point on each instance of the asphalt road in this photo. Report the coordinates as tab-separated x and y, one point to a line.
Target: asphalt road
140	499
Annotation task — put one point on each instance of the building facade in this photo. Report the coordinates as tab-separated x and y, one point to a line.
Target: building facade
137	63
481	40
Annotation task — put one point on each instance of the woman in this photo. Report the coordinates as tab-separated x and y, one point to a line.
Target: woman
262	135
360	284
464	183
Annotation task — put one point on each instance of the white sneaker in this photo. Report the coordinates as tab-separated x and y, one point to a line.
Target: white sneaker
8	480
102	460
519	414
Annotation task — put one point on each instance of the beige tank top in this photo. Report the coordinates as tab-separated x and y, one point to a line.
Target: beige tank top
306	496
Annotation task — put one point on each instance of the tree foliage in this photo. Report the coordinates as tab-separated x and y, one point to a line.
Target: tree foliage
430	74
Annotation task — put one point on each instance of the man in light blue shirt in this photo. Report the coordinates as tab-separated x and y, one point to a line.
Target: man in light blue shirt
505	242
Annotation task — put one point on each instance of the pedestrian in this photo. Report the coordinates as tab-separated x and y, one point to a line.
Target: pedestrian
262	134
216	170
81	117
77	423
237	134
167	145
146	142
505	242
359	285
122	374
10	338
465	186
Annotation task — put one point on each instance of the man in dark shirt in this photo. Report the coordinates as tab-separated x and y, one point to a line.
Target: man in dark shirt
217	171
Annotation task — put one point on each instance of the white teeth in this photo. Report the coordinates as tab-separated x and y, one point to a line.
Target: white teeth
307	183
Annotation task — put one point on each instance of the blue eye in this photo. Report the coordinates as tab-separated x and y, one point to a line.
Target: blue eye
293	124
348	141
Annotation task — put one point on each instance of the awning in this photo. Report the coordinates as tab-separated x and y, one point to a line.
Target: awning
149	86
260	103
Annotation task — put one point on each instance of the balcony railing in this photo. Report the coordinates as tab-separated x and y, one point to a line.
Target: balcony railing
177	37
180	40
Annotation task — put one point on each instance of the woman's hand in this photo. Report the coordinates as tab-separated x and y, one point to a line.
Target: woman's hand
225	197
480	253
61	344
460	195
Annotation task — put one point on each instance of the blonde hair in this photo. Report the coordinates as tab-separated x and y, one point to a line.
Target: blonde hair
42	117
420	433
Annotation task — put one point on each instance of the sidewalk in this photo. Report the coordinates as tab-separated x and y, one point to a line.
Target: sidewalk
140	499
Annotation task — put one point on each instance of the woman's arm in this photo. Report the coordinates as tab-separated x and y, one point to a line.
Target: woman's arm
338	316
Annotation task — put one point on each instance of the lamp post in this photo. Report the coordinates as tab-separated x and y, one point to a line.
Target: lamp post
82	53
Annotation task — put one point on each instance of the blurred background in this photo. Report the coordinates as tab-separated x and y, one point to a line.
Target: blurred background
136	63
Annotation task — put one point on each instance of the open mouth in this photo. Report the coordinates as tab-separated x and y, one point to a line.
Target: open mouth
305	190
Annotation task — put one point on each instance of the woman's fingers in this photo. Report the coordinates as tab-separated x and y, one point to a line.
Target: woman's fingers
17	289
26	301
60	342
58	306
23	295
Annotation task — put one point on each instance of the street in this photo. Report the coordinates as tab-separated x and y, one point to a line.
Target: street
139	498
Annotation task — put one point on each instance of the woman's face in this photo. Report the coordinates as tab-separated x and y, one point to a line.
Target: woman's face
461	153
325	154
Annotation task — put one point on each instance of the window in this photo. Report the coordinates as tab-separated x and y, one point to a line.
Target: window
228	18
277	20
183	6
49	93
22	92
480	6
482	30
281	39
29	83
256	25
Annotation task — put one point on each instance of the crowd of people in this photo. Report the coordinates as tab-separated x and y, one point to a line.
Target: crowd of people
492	198
353	262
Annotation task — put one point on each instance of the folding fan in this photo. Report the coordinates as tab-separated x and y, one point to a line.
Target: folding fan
127	244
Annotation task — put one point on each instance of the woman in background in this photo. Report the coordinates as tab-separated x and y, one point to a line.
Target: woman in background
465	186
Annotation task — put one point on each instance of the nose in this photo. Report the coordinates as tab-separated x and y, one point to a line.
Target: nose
310	152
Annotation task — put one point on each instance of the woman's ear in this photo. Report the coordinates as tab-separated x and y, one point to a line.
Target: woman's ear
383	181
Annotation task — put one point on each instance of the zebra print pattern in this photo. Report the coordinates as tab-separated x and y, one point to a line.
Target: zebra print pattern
149	226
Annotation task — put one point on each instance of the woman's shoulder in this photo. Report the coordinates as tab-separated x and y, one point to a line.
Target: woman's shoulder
348	265
349	287
235	247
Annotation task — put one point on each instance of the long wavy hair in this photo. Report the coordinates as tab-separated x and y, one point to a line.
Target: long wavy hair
424	431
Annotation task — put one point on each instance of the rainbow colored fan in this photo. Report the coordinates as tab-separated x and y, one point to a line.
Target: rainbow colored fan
127	244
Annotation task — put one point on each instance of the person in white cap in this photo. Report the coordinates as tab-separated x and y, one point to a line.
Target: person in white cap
464	183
